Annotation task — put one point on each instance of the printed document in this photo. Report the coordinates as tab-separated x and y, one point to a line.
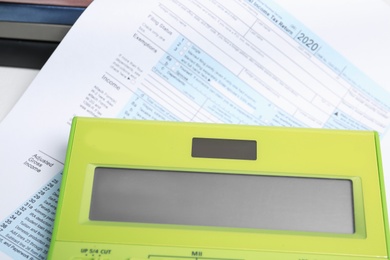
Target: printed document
235	62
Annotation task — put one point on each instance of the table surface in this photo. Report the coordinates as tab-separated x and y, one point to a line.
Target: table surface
14	81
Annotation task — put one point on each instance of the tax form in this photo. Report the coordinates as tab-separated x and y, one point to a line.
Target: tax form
235	62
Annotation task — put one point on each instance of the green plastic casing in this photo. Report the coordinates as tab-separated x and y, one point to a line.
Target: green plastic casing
295	152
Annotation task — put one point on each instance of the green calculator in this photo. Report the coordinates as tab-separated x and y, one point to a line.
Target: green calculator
195	191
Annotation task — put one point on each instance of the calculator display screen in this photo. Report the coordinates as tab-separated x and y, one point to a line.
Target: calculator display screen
222	200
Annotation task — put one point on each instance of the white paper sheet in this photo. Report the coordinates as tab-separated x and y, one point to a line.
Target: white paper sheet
237	62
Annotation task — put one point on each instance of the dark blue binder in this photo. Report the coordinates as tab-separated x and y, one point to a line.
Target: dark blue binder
36	13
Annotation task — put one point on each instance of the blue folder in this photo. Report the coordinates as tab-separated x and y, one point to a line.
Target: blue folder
34	13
